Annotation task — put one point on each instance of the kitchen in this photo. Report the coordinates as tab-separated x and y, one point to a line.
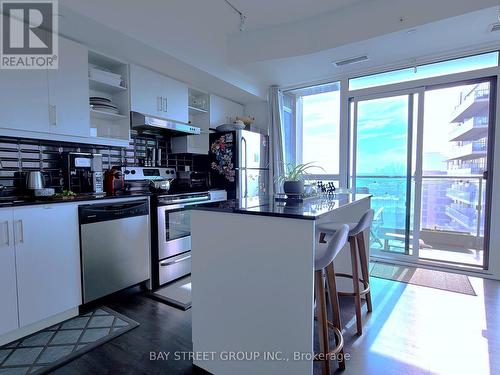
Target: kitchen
188	191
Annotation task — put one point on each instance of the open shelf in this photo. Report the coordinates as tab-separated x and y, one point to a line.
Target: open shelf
105	87
106	116
197	110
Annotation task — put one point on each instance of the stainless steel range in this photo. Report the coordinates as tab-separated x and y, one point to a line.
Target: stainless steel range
170	219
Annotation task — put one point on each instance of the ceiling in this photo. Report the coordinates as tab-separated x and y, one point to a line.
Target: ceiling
285	42
264	13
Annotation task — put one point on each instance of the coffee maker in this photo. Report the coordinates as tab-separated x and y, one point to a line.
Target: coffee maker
82	172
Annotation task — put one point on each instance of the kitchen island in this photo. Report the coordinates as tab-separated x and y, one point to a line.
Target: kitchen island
253	281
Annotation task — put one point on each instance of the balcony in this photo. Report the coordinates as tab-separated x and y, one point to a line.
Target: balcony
450	227
474	104
472	129
464	216
472	150
468	197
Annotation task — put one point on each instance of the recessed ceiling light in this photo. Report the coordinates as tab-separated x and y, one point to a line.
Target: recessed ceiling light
351	60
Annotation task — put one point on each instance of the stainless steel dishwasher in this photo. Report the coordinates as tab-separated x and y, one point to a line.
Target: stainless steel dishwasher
115	246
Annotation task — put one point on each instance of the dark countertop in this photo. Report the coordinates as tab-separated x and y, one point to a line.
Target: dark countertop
29	201
311	209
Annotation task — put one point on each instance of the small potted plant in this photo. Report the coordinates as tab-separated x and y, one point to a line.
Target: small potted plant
293	178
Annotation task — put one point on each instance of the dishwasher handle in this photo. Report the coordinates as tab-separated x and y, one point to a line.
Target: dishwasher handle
92	213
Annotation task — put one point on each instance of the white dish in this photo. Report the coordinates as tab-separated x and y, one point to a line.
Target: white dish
104	109
230	127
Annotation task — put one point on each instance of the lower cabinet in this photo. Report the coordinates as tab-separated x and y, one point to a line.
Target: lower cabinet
8	285
44	244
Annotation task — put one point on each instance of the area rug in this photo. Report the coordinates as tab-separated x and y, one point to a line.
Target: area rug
451	282
177	294
52	347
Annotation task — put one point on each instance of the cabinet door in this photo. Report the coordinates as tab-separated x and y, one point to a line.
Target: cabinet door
48	260
146	91
24	103
69	91
8	288
176	94
222	109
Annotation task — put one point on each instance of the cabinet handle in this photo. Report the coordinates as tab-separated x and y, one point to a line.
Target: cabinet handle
164	104
6	233
19	231
159	103
53	115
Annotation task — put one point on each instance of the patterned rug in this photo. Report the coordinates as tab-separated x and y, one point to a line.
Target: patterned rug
52	347
451	282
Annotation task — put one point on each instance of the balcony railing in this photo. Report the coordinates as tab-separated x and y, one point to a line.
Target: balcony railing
473	104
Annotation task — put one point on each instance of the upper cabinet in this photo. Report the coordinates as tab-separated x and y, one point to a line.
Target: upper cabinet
69	91
24	104
157	95
223	111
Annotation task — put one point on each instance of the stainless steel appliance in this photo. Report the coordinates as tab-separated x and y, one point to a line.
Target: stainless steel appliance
35	180
152	123
83	172
155	179
239	163
115	247
173	247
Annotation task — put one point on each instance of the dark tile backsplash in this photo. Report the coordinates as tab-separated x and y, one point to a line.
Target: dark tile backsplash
23	155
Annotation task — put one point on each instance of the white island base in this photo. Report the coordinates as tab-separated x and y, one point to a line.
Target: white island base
252	289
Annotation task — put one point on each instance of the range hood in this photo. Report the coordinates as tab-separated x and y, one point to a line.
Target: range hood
147	122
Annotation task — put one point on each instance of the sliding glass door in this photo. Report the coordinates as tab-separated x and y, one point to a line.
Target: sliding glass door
424	155
382	149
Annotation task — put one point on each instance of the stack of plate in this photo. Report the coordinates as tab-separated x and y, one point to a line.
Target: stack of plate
98	103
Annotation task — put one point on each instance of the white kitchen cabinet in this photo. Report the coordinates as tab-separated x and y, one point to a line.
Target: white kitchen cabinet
24	103
69	91
154	94
223	110
191	144
47	260
8	288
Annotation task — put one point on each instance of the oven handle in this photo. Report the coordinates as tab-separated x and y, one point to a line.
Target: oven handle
182	201
171	207
164	264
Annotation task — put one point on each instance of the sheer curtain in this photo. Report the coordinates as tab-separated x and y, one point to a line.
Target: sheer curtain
276	136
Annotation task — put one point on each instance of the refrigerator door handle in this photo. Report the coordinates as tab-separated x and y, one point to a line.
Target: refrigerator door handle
244	142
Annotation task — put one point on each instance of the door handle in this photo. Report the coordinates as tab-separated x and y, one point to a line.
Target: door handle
485	175
6	233
19	231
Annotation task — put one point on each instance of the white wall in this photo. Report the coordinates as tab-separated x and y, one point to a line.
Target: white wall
259	110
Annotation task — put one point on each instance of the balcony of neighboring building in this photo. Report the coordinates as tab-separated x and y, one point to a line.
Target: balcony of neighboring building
469	151
470	130
464	193
475	103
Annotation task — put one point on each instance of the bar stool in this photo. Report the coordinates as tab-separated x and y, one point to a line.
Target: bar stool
325	254
355	235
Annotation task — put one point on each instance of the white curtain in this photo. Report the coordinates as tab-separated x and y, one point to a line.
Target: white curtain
276	136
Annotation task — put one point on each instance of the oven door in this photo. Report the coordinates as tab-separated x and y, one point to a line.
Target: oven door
174	231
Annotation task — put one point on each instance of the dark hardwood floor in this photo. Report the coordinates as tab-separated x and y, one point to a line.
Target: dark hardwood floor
412	330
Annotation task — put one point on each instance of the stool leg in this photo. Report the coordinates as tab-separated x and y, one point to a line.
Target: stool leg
319	287
364	268
334	302
355	283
